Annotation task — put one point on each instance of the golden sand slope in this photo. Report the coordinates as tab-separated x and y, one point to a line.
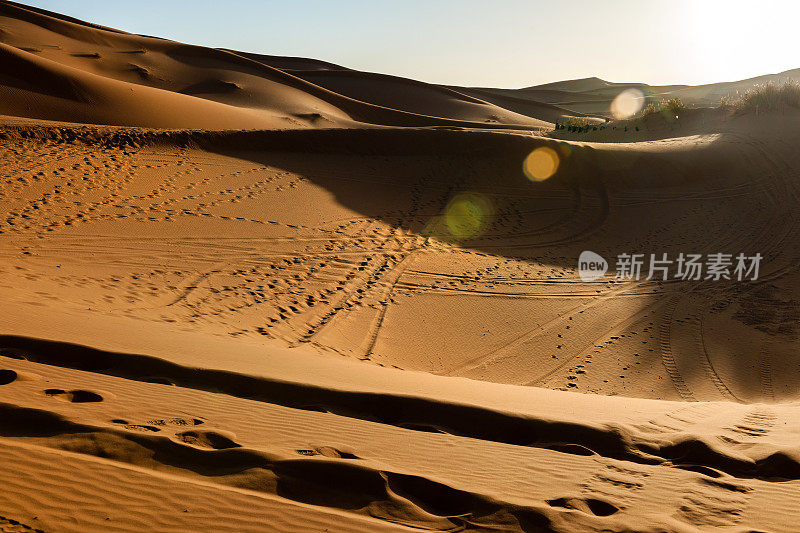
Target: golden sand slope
348	250
58	68
170	281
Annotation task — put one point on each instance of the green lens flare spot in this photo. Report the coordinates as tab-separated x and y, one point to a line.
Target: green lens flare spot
468	215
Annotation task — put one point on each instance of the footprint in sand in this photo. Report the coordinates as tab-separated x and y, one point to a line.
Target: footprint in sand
328	451
586	505
176	422
7	376
75	396
135	427
208	439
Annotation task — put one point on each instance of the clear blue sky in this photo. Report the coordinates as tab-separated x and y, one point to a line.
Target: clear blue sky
502	43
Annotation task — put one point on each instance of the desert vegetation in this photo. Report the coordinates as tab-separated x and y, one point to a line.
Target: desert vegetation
670	108
579	125
767	97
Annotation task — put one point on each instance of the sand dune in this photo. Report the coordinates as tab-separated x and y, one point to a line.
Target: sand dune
594	95
103	77
253	293
426	99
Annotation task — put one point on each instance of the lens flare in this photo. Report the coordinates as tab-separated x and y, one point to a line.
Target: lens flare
468	215
627	103
540	164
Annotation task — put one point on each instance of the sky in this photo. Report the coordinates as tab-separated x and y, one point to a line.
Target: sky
499	43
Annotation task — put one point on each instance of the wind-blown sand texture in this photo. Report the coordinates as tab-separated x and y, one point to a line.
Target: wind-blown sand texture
265	318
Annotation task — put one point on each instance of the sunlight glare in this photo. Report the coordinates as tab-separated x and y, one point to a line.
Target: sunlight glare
541	164
468	215
627	103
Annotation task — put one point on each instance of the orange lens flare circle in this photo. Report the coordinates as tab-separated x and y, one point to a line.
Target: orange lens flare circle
541	164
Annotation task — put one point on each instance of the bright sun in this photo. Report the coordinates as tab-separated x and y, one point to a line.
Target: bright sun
735	39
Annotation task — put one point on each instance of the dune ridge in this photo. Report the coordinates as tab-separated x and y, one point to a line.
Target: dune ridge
138	61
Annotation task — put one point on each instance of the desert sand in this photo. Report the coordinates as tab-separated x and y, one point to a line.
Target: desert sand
255	293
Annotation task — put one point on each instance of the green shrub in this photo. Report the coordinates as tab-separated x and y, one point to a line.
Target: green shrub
581	123
770	97
675	105
669	108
